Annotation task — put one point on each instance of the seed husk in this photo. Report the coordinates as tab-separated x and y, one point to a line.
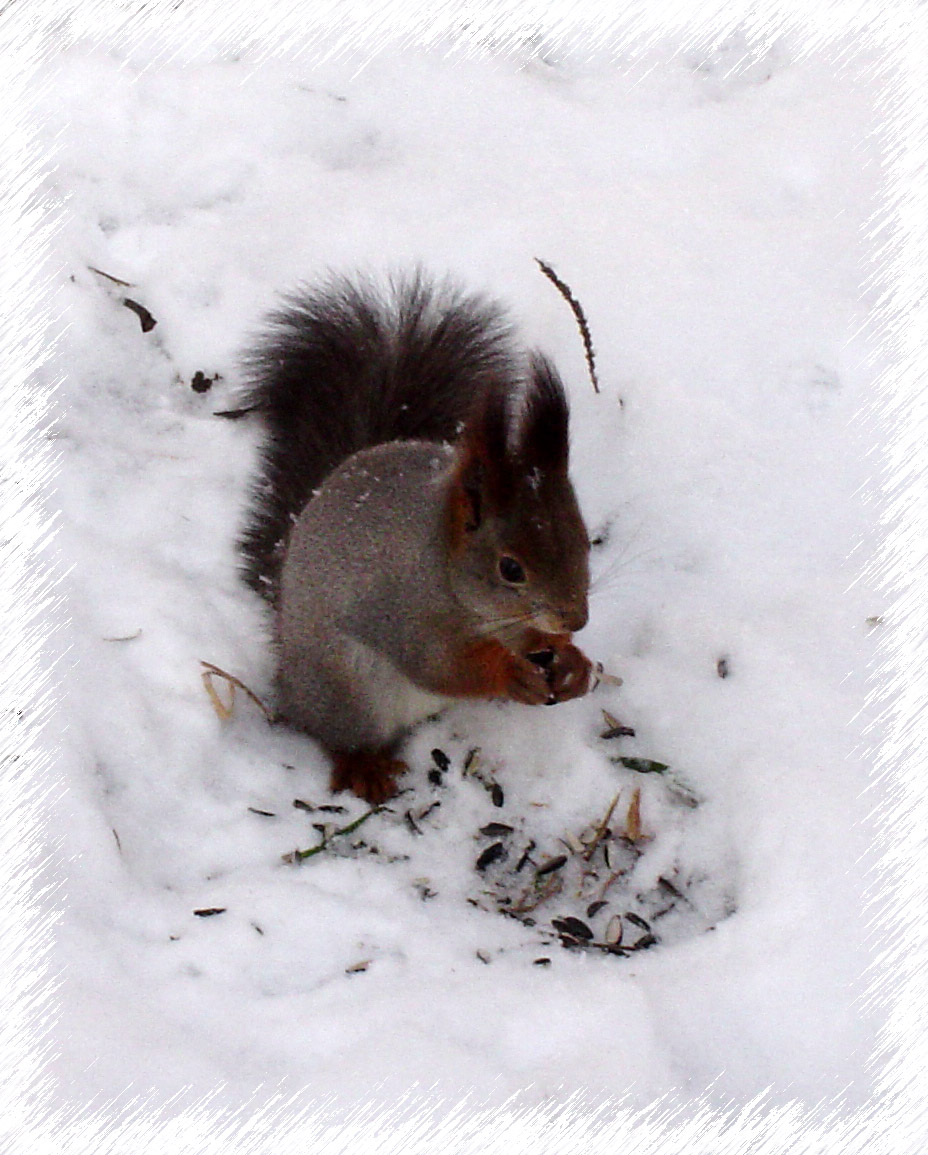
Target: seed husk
496	829
551	865
493	853
613	935
574	927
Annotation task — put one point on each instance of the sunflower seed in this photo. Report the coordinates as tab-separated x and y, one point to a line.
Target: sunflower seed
551	865
574	927
613	935
496	829
493	853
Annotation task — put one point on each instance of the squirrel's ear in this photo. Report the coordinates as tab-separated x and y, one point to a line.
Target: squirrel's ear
479	479
543	435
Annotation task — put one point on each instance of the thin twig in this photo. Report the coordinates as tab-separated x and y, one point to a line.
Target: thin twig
564	289
110	277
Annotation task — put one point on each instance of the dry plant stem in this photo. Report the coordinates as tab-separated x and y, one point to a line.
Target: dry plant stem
564	289
532	898
209	672
301	855
601	829
110	277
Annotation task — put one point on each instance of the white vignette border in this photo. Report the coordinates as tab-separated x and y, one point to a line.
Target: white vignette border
896	1120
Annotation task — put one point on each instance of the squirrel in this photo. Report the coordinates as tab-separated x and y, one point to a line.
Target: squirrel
413	523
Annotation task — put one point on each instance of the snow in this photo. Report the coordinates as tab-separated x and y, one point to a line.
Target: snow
709	216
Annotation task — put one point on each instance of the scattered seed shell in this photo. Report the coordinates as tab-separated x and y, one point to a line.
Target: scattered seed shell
551	865
472	761
573	843
595	907
496	829
493	853
574	927
613	935
441	759
642	765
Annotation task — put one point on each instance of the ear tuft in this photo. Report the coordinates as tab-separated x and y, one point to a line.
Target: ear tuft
482	473
543	438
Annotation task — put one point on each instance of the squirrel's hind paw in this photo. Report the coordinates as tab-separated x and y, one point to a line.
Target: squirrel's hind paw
370	774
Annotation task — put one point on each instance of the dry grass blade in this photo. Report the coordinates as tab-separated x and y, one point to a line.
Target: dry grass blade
601	829
210	672
633	818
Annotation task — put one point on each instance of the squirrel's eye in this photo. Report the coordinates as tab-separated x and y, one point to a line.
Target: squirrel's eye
511	571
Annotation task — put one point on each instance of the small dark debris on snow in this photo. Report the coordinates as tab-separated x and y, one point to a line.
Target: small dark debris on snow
614	728
575	927
332	808
263	813
496	829
300	804
595	907
637	920
618	732
484	957
441	759
551	865
496	794
209	911
358	967
526	853
435	777
493	853
200	383
642	765
542	962
146	320
722	668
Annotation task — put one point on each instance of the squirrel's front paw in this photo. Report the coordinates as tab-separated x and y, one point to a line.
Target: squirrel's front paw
567	670
528	683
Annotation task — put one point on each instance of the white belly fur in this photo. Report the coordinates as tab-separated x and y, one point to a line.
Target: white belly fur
395	701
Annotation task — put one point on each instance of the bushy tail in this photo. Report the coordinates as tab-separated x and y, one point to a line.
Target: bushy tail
346	366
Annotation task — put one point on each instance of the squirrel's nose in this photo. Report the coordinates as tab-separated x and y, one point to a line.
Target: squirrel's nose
575	618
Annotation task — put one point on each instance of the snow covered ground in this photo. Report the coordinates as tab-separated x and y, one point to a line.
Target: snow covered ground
707	209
